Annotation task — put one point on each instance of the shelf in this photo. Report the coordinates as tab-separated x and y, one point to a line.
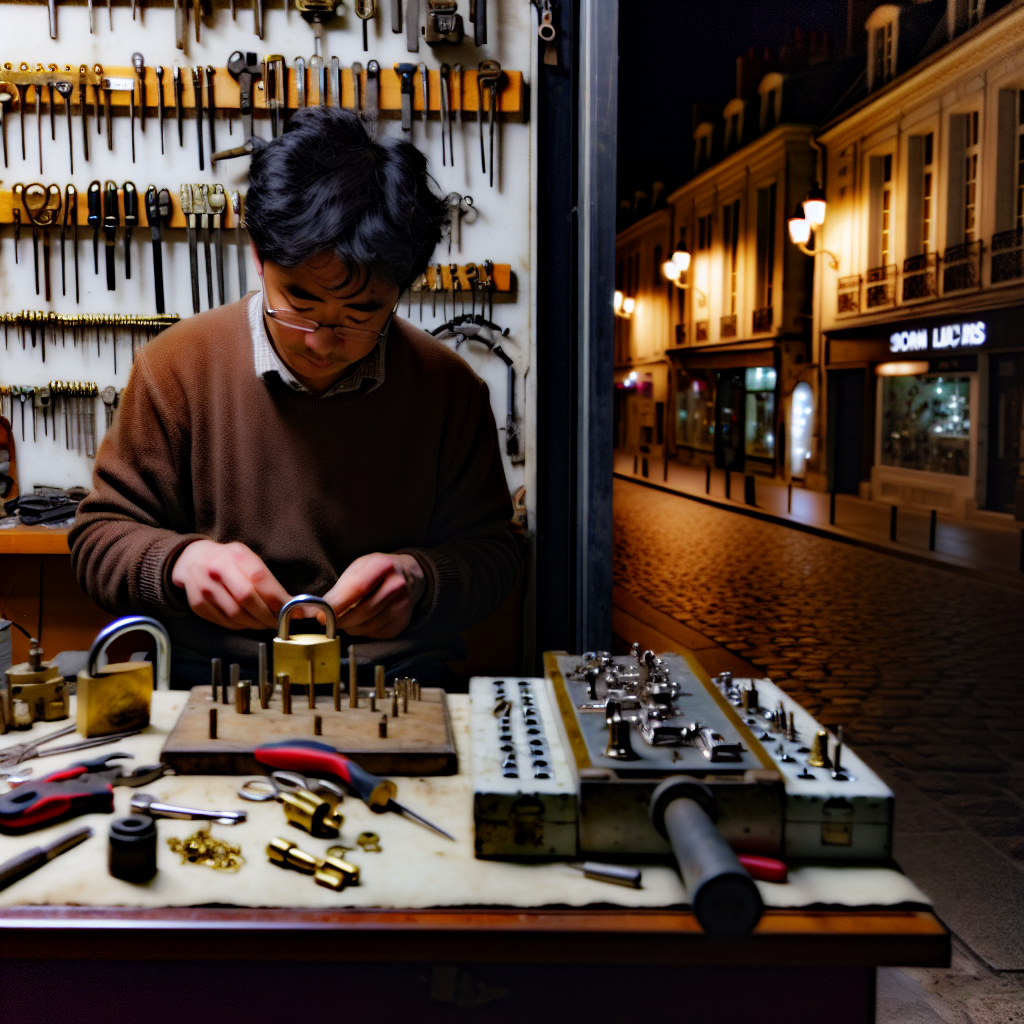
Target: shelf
34	540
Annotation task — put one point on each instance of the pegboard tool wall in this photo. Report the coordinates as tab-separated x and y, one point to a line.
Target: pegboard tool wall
498	229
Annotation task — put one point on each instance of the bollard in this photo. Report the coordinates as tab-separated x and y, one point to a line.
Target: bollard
728	483
749	495
832	509
707	479
931	530
892	523
643	467
789	500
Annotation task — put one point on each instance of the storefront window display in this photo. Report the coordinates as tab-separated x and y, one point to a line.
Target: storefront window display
800	429
695	412
760	419
926	424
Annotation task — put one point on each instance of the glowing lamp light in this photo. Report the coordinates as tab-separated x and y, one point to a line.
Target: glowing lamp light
799	227
814	206
617	301
670	270
628	305
681	258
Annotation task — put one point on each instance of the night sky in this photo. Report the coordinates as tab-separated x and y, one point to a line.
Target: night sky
673	53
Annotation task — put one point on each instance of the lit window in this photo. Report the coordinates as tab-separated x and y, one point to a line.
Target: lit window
927	186
886	233
800	428
759	382
926	423
971	179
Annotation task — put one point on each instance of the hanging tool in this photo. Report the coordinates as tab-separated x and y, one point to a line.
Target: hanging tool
396	16
69	198
435	288
112	85
257	14
5	100
178	108
405	73
160	104
53	69
131	221
446	112
111	221
83	107
21	752
412	26
357	83
201	206
316	13
24	863
218	202
94	198
64	90
84	788
245	68
97	89
299	71
42	205
371	105
274	89
211	108
185	197
22	87
180	22
110	15
335	83
425	91
236	209
316	67
460	93
197	90
158	213
365	11
444	24
488	77
140	69
198	12
478	19
310	757
39	118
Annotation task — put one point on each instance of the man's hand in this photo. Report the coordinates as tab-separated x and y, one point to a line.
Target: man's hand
376	595
229	585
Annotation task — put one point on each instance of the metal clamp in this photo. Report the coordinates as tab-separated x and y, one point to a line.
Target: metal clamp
127	625
284	615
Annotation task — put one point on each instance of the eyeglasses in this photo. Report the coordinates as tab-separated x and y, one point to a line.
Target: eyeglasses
357	335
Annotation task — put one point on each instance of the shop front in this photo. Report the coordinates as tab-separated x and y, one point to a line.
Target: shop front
639	412
928	412
726	408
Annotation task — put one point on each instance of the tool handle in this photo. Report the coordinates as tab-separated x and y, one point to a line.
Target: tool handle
131	205
34	806
95	200
20	865
312	758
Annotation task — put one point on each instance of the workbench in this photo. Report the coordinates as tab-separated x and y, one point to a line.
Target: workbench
445	933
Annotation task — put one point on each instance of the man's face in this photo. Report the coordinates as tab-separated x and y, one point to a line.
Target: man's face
324	290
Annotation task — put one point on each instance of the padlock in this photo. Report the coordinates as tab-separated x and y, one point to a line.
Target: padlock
307	657
116	698
40	685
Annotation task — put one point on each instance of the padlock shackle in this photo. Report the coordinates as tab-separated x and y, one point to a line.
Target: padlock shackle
284	615
129	624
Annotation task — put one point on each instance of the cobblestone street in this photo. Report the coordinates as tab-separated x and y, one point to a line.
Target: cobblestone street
924	669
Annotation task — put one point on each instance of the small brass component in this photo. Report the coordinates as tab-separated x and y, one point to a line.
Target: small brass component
311	695
818	757
405	700
312	813
215	677
265	685
378	681
331	872
370	842
791	733
373	700
40	685
394	703
213	723
318	725
202	848
286	692
338	851
382	728
353	683
307	657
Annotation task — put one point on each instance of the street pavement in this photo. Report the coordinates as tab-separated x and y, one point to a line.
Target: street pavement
924	668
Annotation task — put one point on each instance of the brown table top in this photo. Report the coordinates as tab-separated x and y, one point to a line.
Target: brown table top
34	540
866	938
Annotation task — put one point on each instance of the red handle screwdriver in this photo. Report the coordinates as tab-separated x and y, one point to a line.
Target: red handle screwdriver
311	758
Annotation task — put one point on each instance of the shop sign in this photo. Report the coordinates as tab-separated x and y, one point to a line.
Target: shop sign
948	336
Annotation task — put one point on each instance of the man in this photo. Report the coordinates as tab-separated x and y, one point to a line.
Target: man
305	439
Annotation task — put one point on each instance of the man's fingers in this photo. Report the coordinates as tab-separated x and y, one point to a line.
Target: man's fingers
360	579
391	589
243	591
215	603
389	623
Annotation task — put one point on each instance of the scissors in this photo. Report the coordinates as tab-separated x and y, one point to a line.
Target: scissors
267	787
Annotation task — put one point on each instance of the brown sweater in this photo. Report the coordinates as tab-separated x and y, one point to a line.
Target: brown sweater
203	448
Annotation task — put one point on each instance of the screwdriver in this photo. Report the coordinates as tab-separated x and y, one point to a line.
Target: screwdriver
158	212
131	220
111	221
26	862
94	196
311	758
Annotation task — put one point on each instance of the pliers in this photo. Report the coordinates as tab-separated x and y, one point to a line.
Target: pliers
86	787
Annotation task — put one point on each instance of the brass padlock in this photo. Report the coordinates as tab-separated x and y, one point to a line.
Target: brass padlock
312	813
307	657
40	685
116	698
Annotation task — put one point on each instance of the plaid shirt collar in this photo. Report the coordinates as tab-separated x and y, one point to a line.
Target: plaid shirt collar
267	361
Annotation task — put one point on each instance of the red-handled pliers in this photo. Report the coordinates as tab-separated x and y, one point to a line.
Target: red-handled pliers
83	788
311	758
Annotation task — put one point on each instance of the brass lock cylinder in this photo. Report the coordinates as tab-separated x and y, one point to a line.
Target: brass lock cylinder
312	813
39	686
307	658
116	698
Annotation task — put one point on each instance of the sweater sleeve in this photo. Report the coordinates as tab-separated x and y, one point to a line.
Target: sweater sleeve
138	516
471	561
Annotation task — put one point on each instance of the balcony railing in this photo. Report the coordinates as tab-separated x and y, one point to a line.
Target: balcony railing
700	328
961	267
849	294
881	286
1007	256
762	320
728	326
920	277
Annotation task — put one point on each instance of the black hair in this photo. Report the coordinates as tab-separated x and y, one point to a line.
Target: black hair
326	185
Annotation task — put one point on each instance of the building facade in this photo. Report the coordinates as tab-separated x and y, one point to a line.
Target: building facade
919	329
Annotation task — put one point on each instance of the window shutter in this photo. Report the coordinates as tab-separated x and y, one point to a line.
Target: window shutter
915	180
876	165
1005	159
958	127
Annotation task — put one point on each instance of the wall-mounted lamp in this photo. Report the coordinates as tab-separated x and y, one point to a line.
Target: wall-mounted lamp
623	305
808	217
674	268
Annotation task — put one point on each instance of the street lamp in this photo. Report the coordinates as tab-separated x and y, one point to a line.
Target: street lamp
674	268
623	305
808	217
